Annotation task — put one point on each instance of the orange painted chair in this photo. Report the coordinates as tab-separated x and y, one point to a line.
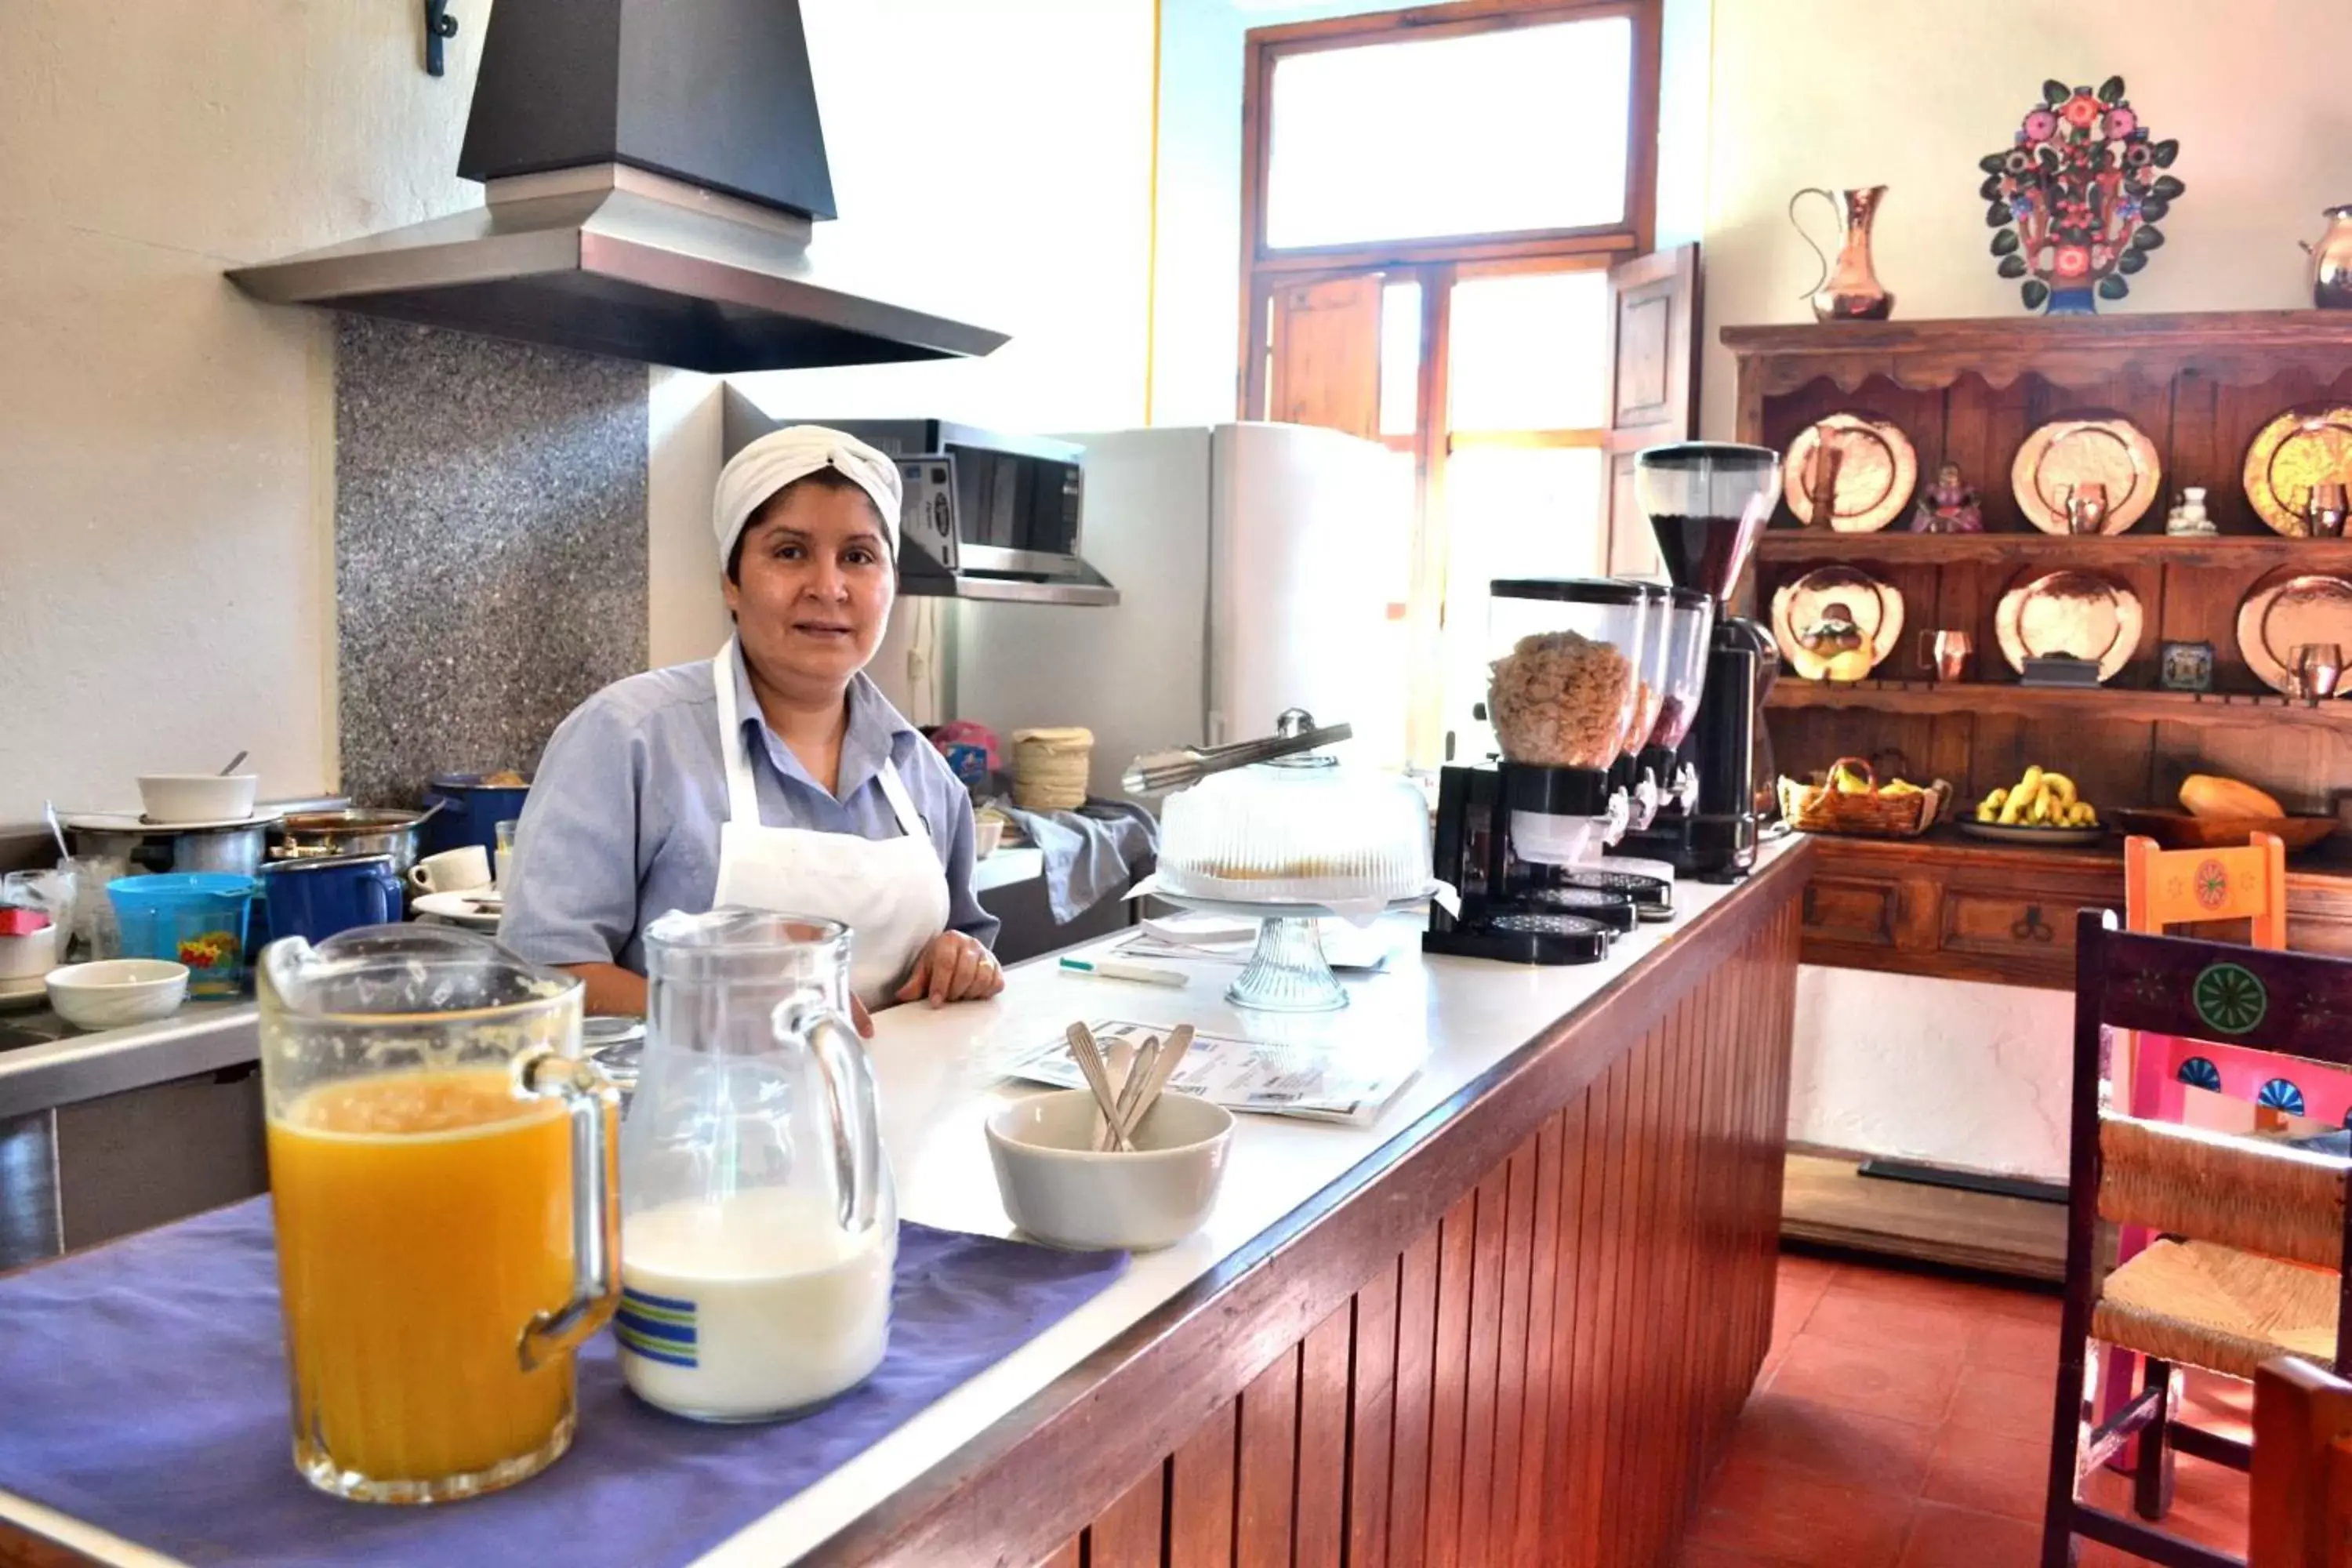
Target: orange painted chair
2171	886
2150	1074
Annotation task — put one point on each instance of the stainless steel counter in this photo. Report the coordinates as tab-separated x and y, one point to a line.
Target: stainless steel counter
46	1063
108	1132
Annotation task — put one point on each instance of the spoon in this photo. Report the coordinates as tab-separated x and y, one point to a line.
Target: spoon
57	830
1090	1064
233	762
1172	1055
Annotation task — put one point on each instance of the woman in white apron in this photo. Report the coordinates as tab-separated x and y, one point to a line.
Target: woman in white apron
775	776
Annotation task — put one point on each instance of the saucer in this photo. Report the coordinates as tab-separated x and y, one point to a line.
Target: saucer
458	909
133	822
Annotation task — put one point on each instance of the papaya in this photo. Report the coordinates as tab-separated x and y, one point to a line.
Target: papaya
2207	795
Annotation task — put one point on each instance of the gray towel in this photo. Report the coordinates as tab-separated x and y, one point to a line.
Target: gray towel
1091	852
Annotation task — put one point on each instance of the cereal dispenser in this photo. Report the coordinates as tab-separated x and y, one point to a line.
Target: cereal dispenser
1517	836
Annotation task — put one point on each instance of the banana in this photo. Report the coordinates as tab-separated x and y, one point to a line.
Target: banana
1988	812
2013	809
2039	812
2060	787
2031	783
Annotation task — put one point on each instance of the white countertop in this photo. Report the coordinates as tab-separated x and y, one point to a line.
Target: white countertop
937	1089
1013	863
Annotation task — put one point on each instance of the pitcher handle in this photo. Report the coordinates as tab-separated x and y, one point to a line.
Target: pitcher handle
1823	256
850	1103
594	1109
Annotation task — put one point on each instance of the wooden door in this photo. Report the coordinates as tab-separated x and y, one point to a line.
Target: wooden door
1326	354
1652	386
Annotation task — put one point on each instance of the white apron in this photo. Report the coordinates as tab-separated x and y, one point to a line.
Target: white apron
892	893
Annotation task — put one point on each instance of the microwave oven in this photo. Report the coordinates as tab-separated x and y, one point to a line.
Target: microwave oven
985	515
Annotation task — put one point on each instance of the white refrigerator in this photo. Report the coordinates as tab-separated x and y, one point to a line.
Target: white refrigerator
1259	567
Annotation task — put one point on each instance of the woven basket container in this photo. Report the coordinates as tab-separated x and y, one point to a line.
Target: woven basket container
1049	768
1821	808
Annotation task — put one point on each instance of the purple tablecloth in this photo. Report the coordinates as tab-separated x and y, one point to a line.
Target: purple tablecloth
143	1389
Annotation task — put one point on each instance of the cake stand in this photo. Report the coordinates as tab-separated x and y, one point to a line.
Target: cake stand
1287	971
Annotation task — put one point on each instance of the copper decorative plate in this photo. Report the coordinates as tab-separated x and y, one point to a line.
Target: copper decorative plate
1877	471
2300	448
1836	623
2078	612
2313	608
2066	452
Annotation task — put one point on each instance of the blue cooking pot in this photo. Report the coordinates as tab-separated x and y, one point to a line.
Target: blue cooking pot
472	813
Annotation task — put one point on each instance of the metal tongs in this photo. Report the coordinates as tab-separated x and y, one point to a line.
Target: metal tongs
1156	771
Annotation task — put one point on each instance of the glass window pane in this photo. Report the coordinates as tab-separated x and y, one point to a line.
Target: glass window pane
1493	133
1525	352
1511	511
1400	359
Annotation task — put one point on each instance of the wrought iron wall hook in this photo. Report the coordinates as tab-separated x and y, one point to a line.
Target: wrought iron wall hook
439	26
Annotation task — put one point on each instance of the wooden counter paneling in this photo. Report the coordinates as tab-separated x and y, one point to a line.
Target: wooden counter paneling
1523	1338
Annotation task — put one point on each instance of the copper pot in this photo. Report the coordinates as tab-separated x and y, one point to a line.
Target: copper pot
2331	261
1848	291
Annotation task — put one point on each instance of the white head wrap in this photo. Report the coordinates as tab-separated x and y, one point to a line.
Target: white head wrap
757	472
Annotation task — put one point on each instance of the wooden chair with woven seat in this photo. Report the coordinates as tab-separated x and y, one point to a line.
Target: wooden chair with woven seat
2301	1515
2165	887
2255	1229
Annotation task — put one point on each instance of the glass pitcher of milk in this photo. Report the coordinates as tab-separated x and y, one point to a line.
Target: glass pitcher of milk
758	1228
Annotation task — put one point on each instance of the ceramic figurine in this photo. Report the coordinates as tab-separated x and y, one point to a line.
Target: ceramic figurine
2188	518
1949	506
1837	640
2077	198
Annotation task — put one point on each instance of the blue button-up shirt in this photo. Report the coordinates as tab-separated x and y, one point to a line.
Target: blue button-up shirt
622	823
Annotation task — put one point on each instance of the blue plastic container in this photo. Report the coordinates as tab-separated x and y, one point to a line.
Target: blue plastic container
196	918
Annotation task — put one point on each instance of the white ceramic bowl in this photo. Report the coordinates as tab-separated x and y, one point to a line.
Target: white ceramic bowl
117	991
28	957
986	833
1063	1193
197	797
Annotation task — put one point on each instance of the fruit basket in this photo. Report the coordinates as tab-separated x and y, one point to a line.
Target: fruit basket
1850	800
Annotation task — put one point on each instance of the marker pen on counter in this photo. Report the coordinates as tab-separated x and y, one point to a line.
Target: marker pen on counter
1112	969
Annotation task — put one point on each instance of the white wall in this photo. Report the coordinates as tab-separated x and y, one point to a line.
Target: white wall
1975	1075
1850	98
166	463
998	158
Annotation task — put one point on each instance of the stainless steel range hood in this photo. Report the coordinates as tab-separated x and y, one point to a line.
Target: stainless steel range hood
653	170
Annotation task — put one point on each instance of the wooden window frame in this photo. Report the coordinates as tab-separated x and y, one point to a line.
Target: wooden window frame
1264	267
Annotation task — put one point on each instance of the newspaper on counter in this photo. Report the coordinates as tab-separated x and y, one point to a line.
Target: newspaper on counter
1314	1082
1211	937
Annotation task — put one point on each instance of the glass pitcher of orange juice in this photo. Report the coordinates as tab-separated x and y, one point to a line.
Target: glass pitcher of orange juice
444	1168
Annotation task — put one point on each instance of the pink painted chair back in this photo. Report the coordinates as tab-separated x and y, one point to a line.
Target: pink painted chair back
2163	888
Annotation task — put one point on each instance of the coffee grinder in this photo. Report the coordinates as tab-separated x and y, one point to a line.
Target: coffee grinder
1518	839
1706	503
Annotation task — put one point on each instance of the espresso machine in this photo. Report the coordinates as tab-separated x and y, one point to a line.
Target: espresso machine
1520	838
1707	501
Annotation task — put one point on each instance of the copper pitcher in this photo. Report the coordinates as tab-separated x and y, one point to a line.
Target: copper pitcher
2331	261
1847	290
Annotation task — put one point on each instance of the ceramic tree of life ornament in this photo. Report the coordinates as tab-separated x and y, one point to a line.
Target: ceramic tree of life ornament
2076	199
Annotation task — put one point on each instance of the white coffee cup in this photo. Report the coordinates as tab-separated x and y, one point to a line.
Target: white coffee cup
459	870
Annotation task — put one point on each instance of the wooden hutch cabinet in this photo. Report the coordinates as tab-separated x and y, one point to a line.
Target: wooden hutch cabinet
1969	392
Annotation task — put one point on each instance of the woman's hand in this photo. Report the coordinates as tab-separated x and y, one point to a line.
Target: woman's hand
953	968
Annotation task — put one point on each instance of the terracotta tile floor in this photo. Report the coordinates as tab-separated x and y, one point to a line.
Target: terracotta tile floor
1902	1421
